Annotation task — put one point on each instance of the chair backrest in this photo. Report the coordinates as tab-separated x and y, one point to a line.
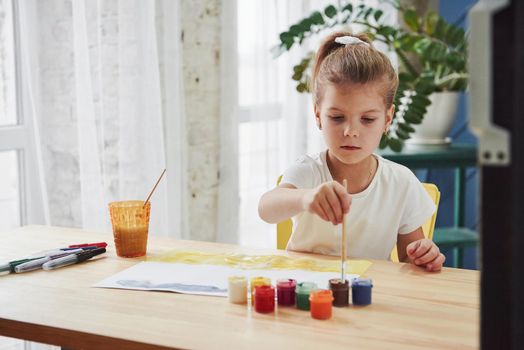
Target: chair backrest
429	225
285	228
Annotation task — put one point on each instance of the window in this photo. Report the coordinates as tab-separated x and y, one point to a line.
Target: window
20	190
9	156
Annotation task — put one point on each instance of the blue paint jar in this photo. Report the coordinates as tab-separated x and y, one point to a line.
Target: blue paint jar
361	291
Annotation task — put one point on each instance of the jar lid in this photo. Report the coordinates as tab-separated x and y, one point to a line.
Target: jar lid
260	281
305	287
321	296
264	290
286	283
336	283
237	280
362	282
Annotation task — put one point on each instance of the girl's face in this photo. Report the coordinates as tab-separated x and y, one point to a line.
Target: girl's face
353	118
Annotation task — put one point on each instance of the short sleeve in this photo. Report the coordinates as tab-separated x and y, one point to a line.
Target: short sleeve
301	174
418	207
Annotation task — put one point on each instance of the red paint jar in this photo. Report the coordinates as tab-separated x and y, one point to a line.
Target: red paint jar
321	302
264	299
286	292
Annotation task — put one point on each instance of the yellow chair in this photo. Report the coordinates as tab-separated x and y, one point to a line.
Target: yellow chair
429	226
285	228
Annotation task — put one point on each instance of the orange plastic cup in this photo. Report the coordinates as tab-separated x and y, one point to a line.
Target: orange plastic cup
321	302
130	220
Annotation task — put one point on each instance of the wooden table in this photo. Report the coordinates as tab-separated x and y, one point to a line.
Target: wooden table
411	308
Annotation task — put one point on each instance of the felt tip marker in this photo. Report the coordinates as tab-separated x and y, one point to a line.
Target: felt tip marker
83	245
37	263
32	265
67	249
9	267
72	259
81	248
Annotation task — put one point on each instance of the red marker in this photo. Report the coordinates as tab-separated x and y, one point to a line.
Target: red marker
98	245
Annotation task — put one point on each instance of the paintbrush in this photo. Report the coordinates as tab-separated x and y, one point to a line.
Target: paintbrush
343	252
154	188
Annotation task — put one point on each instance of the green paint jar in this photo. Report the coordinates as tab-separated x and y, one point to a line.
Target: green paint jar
303	290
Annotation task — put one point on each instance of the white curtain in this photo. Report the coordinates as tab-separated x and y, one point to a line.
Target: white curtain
105	90
276	123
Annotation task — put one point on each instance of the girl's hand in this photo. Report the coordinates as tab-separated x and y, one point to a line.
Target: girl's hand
424	252
330	201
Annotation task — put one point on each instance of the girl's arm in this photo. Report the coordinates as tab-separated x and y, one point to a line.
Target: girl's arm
330	201
414	248
280	203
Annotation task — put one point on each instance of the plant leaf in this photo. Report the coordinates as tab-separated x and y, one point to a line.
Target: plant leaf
456	61
305	25
402	134
411	19
406	127
430	22
405	77
378	14
348	7
412	119
295	30
316	18
422	45
386	31
330	11
395	144
440	29
455	35
383	142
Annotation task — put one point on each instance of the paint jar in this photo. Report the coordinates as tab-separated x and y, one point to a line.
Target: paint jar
321	301
302	291
258	281
286	292
340	292
361	291
264	299
237	289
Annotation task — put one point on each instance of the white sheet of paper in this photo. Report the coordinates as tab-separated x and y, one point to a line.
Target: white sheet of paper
201	279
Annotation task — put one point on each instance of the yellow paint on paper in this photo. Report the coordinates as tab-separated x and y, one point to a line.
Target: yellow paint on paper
264	262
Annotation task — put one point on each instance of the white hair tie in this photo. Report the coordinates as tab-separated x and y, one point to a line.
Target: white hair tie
349	40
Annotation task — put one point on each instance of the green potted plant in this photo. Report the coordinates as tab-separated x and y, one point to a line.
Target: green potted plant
431	51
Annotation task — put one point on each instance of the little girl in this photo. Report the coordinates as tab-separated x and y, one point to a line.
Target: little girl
353	87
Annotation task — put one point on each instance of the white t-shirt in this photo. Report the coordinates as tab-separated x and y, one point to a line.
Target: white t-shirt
395	202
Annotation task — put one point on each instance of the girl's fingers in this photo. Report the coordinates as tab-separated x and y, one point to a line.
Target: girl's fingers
334	203
328	211
419	249
317	209
343	197
412	247
430	255
436	265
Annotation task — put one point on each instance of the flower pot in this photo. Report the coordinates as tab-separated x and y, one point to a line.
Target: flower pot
437	122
